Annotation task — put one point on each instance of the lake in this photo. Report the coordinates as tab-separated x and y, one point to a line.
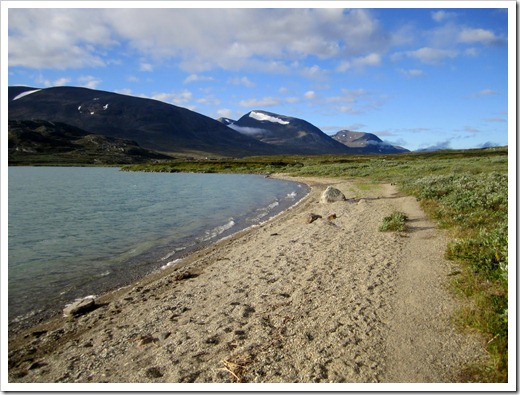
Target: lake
78	231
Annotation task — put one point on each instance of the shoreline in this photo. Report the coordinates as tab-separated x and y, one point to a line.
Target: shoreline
285	301
157	259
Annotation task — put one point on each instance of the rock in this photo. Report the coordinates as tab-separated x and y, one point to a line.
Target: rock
332	216
185	276
312	217
332	194
163	336
80	307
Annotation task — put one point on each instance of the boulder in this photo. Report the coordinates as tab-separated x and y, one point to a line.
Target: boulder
80	307
332	194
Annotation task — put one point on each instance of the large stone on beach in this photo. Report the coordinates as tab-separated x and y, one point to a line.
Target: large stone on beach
332	194
79	307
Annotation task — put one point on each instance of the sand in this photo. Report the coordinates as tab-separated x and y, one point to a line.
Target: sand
335	300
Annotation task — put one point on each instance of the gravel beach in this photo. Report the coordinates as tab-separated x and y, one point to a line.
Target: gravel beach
290	301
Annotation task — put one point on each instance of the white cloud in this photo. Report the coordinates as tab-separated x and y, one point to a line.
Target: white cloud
310	95
485	92
430	55
89	81
255	103
225	113
57	38
246	129
314	71
410	73
372	59
441	16
145	66
195	78
231	39
243	81
124	91
483	36
48	83
177	98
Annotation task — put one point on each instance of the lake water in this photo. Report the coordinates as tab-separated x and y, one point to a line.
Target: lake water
75	231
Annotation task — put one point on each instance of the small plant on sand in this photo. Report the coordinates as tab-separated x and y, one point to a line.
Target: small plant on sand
395	222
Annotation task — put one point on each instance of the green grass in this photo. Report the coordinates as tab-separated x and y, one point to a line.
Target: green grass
465	192
395	222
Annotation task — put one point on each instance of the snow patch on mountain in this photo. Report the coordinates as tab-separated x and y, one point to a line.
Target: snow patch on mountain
259	116
26	93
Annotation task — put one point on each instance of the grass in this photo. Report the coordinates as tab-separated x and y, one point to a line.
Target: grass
395	222
465	192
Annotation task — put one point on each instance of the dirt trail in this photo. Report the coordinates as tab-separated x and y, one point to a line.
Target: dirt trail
290	301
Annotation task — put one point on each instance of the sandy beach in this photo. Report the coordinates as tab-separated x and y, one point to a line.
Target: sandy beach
289	301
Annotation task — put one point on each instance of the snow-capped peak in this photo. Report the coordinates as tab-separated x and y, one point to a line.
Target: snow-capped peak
264	117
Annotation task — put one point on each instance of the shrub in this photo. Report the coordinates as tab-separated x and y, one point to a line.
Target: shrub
395	222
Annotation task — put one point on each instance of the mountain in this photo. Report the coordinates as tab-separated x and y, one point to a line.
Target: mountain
40	142
226	121
152	124
366	143
290	135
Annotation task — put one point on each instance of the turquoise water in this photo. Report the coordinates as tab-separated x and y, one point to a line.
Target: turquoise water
74	232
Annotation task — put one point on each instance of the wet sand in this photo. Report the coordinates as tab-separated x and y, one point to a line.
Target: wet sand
335	300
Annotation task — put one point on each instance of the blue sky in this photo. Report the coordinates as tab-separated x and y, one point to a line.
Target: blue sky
415	77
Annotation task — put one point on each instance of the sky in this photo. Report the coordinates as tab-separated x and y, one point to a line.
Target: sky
415	77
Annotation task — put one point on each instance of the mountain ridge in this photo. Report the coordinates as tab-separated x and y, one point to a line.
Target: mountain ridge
292	135
366	143
152	124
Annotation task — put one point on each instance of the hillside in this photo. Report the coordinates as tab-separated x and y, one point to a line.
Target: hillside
152	124
42	142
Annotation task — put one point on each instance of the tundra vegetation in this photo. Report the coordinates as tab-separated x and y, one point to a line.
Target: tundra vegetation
465	192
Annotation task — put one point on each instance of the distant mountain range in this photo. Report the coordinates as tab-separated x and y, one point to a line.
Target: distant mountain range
291	135
366	143
67	115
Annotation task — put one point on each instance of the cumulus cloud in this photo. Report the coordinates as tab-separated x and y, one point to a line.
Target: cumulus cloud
178	98
48	83
482	36
195	78
65	38
410	73
225	113
310	95
89	81
373	59
441	15
256	103
57	38
242	81
427	54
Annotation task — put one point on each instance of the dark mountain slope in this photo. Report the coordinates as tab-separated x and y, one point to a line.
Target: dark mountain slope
291	135
152	124
41	142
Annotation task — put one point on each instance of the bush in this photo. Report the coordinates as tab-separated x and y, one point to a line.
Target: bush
395	222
